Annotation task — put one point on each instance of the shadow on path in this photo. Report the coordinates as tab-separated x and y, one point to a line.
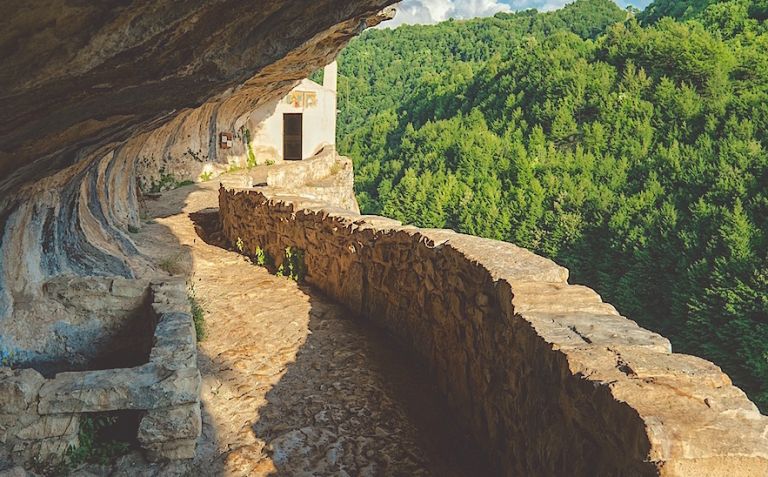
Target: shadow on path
347	399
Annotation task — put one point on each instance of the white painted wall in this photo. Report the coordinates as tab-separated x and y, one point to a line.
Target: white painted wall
319	127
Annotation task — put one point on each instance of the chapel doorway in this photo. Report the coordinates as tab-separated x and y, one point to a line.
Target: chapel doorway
292	136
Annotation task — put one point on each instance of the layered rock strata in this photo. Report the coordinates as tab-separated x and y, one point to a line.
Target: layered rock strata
547	377
90	90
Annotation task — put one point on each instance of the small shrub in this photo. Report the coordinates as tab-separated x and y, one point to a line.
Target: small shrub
247	140
206	176
260	257
165	183
96	443
198	315
270	162
293	265
172	264
168	182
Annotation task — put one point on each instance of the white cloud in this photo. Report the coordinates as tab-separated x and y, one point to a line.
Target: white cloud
433	11
542	6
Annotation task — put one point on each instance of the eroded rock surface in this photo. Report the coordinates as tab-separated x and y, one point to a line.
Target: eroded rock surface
77	78
87	90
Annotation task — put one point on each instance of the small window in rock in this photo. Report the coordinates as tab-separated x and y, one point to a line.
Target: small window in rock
226	140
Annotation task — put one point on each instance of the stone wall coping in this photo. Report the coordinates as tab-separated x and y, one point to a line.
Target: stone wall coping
145	387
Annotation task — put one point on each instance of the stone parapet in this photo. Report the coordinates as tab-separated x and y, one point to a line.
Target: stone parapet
39	417
546	376
294	174
326	177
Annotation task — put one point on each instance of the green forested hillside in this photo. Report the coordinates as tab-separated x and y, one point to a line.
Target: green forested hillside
678	9
634	155
379	72
694	9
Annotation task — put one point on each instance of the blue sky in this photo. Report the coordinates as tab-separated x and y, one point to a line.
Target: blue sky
432	11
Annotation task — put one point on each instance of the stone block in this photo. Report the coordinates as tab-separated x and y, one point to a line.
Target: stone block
171	298
18	389
44	450
50	426
161	308
67	286
150	386
579	329
172	424
174	358
12	423
175	341
175	326
174	450
169	284
129	288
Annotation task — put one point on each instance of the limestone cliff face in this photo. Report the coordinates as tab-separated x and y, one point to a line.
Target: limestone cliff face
89	88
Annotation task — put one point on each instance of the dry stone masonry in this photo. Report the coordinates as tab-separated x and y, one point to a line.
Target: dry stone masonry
543	373
39	417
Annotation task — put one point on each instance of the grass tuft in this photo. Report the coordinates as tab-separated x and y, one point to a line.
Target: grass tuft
96	445
198	315
172	264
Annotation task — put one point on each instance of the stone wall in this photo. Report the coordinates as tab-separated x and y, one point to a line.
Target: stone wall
39	417
326	177
548	378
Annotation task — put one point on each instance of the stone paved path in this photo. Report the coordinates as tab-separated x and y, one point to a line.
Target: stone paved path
292	385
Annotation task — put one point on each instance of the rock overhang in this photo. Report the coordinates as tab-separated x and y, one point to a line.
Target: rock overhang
86	88
78	79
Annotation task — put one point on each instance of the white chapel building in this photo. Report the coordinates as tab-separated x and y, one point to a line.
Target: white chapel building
299	125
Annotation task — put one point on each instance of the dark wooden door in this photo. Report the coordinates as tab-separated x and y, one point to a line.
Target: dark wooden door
292	132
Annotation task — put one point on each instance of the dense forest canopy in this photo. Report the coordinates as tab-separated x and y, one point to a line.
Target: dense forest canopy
694	9
630	149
